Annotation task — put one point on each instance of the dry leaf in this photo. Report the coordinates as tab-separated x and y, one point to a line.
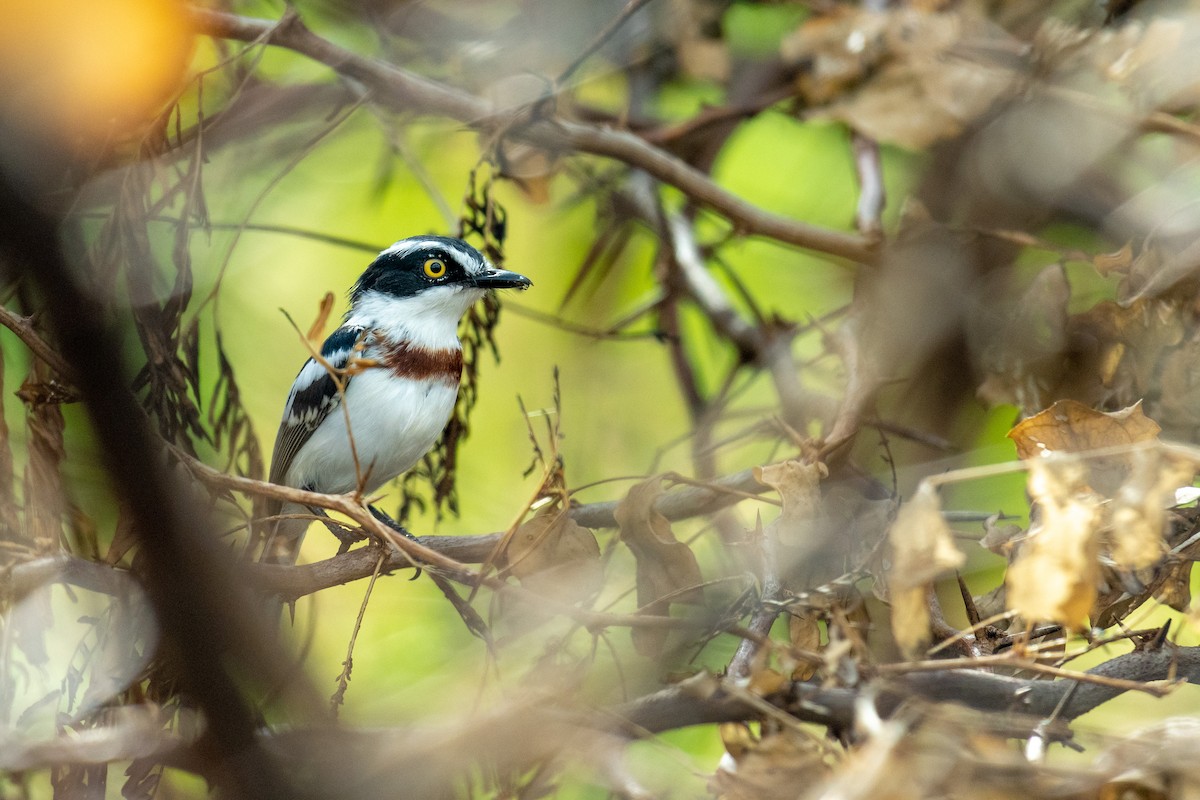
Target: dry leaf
911	619
999	537
922	548
922	543
1071	427
799	487
1055	575
821	532
914	92
1119	261
666	567
551	554
1139	510
316	331
1175	591
804	631
768	768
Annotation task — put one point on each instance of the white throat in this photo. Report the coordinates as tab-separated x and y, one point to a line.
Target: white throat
429	319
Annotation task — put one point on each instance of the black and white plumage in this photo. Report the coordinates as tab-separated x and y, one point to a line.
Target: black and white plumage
401	338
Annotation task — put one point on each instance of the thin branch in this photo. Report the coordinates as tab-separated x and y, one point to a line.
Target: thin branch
631	8
24	330
872	196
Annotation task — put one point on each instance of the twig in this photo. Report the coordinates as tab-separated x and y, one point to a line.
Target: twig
631	8
872	196
1027	665
343	680
24	330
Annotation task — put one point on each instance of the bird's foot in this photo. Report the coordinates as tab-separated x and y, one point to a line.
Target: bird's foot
345	536
383	517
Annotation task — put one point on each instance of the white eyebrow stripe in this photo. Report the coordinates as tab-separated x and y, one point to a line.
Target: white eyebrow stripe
471	260
406	246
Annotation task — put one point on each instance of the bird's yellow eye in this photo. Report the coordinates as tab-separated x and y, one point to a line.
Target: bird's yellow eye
435	268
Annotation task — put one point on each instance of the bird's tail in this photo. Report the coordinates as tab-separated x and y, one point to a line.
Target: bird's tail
280	536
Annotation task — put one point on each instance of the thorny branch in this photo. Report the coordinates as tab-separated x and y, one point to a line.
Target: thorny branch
705	699
763	679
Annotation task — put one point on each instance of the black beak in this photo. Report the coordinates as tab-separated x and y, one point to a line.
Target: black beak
501	279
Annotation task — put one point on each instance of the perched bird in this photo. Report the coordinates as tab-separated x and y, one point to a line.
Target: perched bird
400	338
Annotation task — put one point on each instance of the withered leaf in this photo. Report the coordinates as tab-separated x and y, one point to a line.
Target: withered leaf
922	548
798	484
911	93
1176	588
316	331
667	571
1139	510
771	767
551	554
1119	261
805	634
922	543
1072	427
1000	537
1055	576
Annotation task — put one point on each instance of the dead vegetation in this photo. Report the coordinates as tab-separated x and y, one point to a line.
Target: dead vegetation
1046	259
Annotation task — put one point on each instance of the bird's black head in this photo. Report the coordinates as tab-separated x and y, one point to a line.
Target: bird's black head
415	265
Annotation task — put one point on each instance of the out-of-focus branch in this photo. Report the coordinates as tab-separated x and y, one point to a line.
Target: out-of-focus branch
700	700
872	196
187	576
138	733
24	330
405	91
292	582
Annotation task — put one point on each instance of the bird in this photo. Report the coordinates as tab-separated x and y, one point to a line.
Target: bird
398	359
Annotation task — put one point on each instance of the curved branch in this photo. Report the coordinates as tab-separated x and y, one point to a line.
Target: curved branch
407	92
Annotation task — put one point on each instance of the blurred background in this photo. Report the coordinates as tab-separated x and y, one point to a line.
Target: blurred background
900	229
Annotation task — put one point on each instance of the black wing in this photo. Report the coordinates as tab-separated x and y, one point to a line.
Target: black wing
314	394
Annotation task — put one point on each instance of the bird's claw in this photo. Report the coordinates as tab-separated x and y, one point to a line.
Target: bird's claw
383	517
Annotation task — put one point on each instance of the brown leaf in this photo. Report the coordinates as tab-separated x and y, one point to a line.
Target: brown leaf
667	571
551	554
798	484
1055	575
1176	588
813	537
911	93
804	631
922	548
1139	510
769	768
1119	261
316	331
1071	427
922	543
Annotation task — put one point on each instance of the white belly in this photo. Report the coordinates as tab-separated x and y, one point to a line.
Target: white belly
393	421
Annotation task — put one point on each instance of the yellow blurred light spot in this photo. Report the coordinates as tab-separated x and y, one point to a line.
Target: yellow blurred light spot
90	71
